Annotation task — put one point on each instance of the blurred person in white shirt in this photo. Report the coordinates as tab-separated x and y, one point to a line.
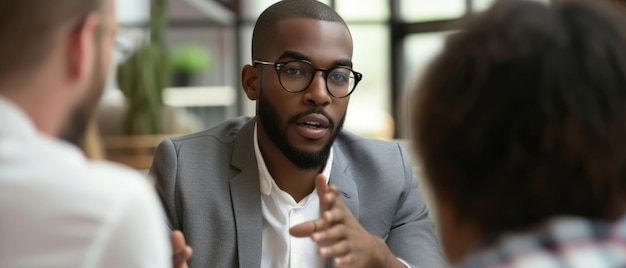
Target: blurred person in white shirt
58	208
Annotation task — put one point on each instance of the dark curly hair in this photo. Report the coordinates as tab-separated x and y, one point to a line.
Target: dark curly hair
523	115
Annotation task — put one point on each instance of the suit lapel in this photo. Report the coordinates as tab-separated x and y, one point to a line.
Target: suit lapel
246	199
341	176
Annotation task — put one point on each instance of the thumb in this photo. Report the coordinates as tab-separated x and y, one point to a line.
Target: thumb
303	229
178	240
181	252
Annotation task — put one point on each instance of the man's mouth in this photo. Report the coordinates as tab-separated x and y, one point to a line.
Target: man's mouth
314	120
313	126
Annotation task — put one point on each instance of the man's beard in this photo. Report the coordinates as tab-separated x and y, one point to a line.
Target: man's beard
270	120
76	125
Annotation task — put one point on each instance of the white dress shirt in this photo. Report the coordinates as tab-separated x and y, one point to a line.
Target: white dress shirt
61	210
281	212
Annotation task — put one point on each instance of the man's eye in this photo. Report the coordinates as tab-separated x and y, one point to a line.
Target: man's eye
338	77
293	71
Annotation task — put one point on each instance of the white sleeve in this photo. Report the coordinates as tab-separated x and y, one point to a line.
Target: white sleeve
138	237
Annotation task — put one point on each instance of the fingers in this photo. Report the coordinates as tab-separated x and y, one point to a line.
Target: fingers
321	183
343	261
181	252
336	210
180	258
331	207
329	217
340	248
321	186
335	233
342	253
307	228
178	239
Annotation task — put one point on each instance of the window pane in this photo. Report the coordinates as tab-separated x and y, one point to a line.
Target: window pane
369	112
363	9
480	5
137	11
419	50
251	9
425	10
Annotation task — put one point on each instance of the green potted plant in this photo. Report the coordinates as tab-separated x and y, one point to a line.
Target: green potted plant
144	75
187	61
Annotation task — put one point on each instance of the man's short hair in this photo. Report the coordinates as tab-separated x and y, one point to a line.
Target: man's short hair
28	29
523	115
285	9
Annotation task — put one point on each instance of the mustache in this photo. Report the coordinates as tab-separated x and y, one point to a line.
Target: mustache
318	110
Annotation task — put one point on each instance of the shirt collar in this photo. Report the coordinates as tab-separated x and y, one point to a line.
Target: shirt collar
265	178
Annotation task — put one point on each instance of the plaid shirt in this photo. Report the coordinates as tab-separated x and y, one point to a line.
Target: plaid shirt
561	242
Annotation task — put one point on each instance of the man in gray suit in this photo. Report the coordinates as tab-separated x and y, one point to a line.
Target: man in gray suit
289	187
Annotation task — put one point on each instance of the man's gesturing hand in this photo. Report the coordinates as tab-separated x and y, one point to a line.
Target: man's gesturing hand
340	235
181	252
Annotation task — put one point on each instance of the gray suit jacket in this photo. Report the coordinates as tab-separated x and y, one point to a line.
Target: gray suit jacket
209	185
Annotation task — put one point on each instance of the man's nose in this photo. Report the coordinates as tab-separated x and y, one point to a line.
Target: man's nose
317	93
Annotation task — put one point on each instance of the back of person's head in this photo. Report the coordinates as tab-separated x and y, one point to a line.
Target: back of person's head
523	116
29	28
621	5
264	27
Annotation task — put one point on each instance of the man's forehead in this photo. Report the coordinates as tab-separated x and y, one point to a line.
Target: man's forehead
294	55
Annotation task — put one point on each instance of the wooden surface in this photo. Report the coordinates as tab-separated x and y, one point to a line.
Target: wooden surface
134	151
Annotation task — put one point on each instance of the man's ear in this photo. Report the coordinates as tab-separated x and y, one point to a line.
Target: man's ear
250	81
81	48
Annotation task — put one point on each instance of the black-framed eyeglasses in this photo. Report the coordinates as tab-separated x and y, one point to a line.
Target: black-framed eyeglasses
297	75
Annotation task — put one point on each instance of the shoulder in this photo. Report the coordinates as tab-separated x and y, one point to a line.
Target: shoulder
134	219
115	187
97	200
216	143
225	132
353	146
560	239
61	169
113	176
373	160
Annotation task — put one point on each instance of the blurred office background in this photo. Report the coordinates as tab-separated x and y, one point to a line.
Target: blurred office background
210	40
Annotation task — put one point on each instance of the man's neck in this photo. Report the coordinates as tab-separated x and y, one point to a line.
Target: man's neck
296	182
43	100
290	178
